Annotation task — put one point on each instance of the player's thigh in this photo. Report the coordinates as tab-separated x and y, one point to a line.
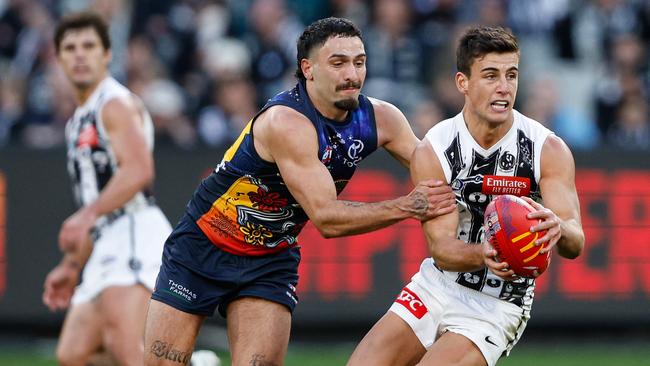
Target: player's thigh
169	334
124	310
390	342
80	335
258	331
453	349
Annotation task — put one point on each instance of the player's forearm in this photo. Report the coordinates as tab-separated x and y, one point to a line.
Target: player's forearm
78	257
452	254
120	189
349	218
572	241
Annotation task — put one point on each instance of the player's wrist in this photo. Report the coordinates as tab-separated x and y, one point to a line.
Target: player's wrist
70	263
91	213
405	208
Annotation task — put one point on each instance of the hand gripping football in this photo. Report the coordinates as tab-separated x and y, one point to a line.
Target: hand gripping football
507	229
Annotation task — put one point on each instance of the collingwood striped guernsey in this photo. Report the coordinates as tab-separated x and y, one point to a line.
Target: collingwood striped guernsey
91	160
511	166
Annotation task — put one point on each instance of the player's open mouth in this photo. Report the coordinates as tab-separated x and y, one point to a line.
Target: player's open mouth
500	105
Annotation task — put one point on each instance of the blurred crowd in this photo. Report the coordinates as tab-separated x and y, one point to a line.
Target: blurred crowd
204	67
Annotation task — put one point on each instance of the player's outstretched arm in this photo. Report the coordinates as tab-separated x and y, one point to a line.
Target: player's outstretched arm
560	213
449	253
287	138
123	122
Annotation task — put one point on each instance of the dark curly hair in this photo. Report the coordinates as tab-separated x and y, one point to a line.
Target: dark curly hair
82	20
318	32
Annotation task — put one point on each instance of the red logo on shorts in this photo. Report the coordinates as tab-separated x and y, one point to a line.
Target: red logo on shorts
412	303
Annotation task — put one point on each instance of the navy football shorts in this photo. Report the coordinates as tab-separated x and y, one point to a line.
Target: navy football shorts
197	277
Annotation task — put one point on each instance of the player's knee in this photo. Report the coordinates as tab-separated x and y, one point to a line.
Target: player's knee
123	343
366	351
71	357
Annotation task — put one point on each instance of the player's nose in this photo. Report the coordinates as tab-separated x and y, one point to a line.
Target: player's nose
503	86
351	73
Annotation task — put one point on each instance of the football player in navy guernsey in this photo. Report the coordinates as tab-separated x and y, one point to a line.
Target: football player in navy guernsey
463	307
236	249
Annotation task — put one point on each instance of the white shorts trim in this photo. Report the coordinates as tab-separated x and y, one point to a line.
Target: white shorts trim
128	252
493	325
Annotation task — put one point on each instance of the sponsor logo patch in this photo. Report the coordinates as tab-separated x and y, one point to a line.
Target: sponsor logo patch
179	291
490	341
412	303
498	184
88	137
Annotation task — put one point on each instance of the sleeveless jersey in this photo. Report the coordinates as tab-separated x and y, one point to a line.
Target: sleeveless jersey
91	160
244	206
511	166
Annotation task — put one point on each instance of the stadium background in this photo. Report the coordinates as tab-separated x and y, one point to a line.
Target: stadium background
203	67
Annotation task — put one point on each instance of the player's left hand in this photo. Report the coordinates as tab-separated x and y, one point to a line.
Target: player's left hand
75	230
59	286
550	222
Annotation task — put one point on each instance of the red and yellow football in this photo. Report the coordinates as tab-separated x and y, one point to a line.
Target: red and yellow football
507	229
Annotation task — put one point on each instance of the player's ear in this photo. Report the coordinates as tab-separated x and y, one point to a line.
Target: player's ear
108	56
307	67
461	82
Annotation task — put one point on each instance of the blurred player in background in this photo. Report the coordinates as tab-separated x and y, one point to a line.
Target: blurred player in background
463	307
110	142
236	248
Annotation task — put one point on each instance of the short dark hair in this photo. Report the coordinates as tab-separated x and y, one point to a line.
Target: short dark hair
84	19
318	32
479	41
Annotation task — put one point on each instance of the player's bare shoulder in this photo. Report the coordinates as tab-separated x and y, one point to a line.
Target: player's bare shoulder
443	131
282	126
556	155
386	114
390	120
121	109
554	143
383	107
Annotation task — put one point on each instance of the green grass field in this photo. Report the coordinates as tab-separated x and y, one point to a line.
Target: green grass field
524	355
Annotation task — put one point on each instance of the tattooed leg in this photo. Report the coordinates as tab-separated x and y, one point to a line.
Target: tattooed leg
166	351
170	335
258	359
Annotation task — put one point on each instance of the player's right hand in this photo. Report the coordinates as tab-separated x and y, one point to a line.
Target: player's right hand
501	269
59	287
75	230
430	199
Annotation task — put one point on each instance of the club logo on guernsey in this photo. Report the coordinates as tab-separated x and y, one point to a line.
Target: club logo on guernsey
412	303
507	162
181	291
498	184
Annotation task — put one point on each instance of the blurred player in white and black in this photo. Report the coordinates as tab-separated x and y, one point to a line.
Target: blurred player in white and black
109	143
463	307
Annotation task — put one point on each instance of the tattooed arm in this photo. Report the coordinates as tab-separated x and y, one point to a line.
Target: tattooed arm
311	184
